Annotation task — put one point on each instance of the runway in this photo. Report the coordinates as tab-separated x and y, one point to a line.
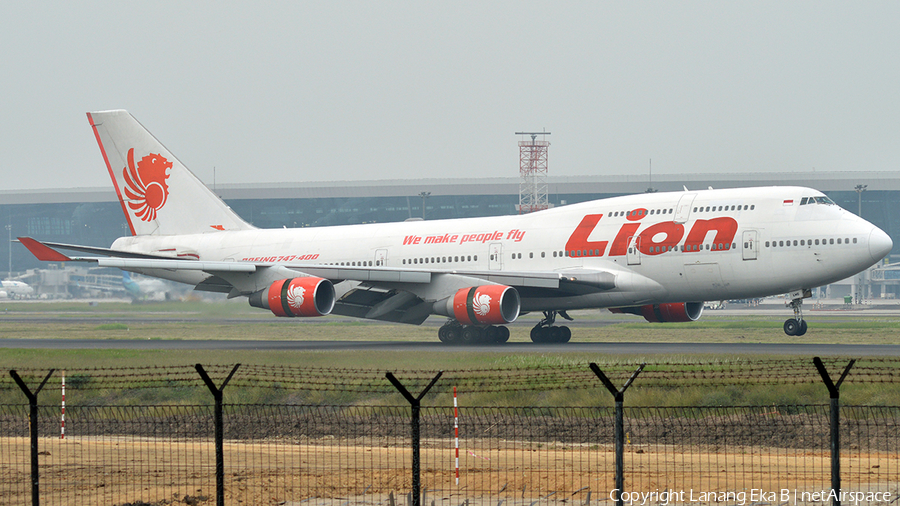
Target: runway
632	348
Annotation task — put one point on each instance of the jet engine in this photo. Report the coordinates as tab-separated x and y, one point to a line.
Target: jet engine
307	296
659	313
485	305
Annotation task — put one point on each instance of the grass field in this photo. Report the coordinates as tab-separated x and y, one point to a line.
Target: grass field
235	320
113	470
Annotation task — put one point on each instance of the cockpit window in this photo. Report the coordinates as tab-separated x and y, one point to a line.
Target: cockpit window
816	200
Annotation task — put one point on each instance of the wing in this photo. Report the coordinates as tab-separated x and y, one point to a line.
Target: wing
382	293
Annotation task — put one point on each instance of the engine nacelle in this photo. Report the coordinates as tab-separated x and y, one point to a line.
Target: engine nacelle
296	297
485	305
660	313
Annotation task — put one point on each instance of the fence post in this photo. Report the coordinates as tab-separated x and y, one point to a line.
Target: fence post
834	392
33	429
415	403
619	395
220	429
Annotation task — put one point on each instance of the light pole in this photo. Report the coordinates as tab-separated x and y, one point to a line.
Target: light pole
424	196
859	189
9	232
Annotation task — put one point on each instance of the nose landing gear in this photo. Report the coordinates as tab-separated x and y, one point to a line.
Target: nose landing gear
796	326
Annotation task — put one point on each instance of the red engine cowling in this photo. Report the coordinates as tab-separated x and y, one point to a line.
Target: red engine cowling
660	313
296	297
488	304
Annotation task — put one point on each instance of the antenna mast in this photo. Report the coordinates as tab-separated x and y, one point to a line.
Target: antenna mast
533	174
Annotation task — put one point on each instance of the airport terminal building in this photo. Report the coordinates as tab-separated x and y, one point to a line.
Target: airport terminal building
93	216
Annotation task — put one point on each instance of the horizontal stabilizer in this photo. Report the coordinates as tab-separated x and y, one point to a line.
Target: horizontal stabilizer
52	246
43	252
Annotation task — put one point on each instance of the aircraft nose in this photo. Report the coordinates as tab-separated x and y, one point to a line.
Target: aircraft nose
880	244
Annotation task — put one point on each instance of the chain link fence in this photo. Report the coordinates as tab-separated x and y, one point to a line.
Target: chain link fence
348	454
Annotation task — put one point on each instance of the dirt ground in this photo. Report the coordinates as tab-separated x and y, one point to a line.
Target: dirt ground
144	471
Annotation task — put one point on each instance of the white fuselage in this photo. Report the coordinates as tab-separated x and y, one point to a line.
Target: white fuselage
14	289
661	247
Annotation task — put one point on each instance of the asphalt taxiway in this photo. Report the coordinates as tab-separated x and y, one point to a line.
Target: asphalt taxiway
632	348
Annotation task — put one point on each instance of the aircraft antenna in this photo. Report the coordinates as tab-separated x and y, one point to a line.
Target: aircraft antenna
533	173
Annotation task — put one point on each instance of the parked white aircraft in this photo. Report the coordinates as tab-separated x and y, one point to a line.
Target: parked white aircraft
15	289
657	255
144	289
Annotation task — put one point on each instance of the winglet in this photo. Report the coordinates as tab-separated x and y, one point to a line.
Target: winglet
43	252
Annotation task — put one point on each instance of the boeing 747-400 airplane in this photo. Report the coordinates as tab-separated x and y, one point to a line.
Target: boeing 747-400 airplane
656	255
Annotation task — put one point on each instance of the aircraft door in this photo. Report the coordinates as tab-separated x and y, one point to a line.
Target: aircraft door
495	256
683	208
704	278
380	257
751	244
634	250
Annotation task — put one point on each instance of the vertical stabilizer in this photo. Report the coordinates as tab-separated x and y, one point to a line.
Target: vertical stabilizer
159	195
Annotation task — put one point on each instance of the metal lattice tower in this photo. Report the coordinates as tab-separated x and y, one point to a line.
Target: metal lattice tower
533	174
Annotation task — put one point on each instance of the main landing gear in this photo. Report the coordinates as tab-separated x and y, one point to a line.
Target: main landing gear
796	326
546	332
454	333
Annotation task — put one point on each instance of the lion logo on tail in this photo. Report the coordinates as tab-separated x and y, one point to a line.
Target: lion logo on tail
145	184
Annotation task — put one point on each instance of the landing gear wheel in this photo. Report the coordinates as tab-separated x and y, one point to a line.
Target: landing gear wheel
502	335
537	334
450	334
792	327
491	334
802	328
566	334
555	334
471	334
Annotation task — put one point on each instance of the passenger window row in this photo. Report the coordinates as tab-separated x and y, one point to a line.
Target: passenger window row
518	256
658	249
699	209
697	247
808	242
708	209
639	212
440	260
411	261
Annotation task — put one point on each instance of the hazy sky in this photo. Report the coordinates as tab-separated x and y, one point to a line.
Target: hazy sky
324	91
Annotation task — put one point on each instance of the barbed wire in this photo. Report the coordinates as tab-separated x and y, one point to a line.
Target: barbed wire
681	373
